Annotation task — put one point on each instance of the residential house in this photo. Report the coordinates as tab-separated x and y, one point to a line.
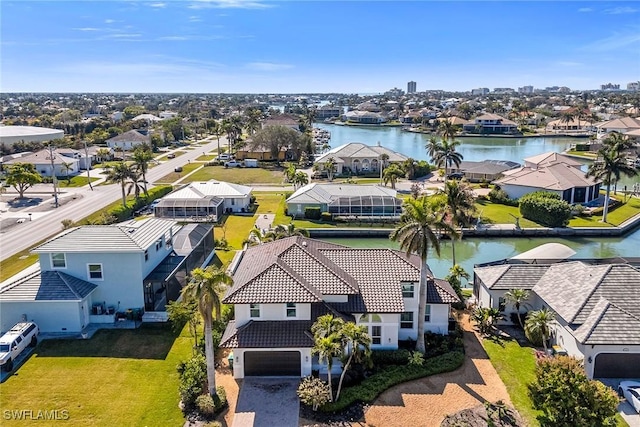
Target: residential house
551	172
486	170
88	274
572	126
491	124
129	140
207	200
327	112
285	120
356	158
84	160
62	165
596	305
281	288
262	153
365	117
346	200
622	125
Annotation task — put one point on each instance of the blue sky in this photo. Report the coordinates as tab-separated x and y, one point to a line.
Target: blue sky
256	46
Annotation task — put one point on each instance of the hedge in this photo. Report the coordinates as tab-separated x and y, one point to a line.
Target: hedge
496	195
545	208
371	387
123	213
390	357
312	213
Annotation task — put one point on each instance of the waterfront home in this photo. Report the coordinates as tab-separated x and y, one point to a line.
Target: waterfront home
129	140
205	200
285	120
247	151
596	305
572	126
365	117
356	158
551	172
486	170
280	288
622	125
61	165
328	112
346	200
491	124
88	274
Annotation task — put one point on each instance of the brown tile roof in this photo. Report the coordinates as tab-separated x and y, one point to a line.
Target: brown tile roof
268	334
440	292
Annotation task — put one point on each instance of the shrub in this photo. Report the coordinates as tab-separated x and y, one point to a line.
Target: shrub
416	358
390	357
389	376
545	208
312	213
193	376
208	406
326	216
121	213
314	392
497	195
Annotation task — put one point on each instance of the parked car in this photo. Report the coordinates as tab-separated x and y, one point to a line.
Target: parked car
178	169
630	390
232	164
223	158
171	156
15	341
456	175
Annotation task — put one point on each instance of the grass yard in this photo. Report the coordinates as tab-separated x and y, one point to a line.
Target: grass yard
237	175
174	176
119	377
494	213
76	181
17	262
206	158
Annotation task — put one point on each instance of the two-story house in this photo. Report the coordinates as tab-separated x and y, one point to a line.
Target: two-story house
281	288
491	124
88	274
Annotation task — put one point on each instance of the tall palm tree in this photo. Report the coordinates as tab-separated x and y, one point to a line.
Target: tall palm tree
460	208
289	172
357	342
217	130
300	179
135	183
327	342
391	174
384	157
447	129
432	147
252	120
610	165
446	155
517	297
330	167
120	173
205	288
566	118
416	233
67	167
539	323
141	158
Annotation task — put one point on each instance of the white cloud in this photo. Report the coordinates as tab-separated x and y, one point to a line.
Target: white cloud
619	40
620	10
569	64
87	29
158	5
109	21
229	4
195	18
585	9
268	66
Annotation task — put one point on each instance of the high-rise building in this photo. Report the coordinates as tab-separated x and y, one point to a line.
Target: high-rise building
634	86
480	91
610	86
411	87
526	89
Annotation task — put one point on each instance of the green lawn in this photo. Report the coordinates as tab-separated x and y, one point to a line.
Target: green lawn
586	154
76	181
118	377
494	213
17	262
174	176
206	158
237	175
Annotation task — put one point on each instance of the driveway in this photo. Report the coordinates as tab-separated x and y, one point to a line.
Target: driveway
624	408
425	402
267	402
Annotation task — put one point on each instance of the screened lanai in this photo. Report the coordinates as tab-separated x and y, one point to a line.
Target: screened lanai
366	205
208	208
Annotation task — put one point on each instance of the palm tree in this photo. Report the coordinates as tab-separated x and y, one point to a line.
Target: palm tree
282	231
141	158
566	118
258	236
289	172
136	183
610	165
518	298
327	342
432	147
205	287
416	233
446	155
391	174
67	167
455	276
252	120
460	208
384	157
357	342
217	129
120	173
330	167
300	179
539	323
447	129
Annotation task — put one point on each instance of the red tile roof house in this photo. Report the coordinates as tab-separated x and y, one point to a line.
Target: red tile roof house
281	288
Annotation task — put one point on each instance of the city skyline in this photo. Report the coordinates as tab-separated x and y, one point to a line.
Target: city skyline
254	46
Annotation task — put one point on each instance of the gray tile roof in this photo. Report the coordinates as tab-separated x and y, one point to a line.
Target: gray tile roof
327	193
129	236
298	269
608	324
47	286
511	276
130	136
268	334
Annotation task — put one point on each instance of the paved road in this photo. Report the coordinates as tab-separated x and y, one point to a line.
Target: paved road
25	235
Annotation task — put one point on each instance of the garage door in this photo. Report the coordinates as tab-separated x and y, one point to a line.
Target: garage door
272	363
617	365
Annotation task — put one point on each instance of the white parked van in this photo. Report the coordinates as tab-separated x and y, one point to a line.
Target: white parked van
15	341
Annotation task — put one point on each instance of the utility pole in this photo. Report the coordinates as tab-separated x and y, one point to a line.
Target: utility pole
88	162
53	174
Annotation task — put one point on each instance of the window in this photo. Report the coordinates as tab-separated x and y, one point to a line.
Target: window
58	260
291	309
376	334
427	313
407	289
254	310
158	245
502	304
95	271
146	256
406	320
374	318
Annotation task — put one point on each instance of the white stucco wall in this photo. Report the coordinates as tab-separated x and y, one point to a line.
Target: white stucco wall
237	203
389	332
597	349
517	191
50	316
44	169
238	362
271	312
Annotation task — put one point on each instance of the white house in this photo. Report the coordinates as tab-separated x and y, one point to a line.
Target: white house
62	164
281	288
491	124
596	302
211	197
358	157
89	273
129	140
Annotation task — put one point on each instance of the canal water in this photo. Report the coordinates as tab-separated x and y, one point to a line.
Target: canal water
473	149
478	250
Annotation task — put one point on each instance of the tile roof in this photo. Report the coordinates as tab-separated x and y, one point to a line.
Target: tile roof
299	269
129	236
47	286
511	276
42	157
440	292
130	136
196	190
327	193
268	334
609	324
487	166
360	150
555	176
551	157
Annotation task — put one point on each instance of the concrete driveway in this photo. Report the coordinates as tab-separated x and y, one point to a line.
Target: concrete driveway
267	402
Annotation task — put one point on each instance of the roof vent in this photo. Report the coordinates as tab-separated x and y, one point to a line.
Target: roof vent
304	244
